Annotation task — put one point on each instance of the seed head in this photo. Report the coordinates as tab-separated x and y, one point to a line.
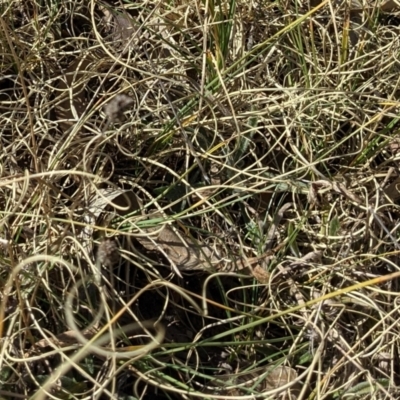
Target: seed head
108	254
116	107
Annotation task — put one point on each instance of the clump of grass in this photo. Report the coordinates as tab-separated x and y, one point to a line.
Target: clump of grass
264	133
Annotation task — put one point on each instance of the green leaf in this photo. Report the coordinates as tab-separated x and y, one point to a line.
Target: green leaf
334	226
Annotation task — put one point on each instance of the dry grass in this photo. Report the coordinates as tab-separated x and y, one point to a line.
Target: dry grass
199	199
